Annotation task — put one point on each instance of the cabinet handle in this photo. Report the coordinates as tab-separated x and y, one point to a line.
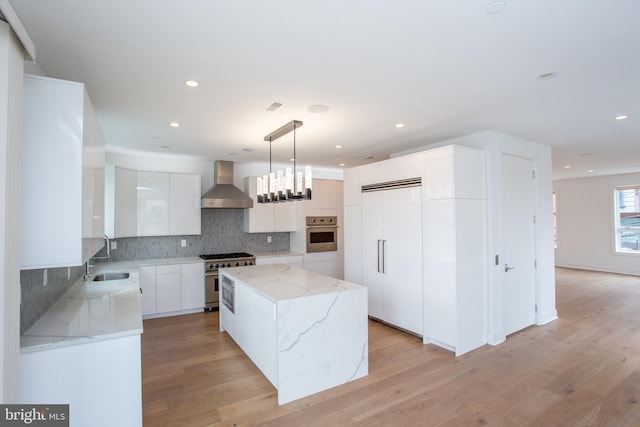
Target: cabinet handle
384	256
140	291
379	253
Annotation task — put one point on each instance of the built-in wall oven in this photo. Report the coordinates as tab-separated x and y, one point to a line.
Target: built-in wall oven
213	262
322	233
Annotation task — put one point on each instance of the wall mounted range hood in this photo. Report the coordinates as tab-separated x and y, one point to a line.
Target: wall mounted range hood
224	194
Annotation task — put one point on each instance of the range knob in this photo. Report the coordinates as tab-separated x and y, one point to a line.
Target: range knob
209	266
237	264
216	266
228	264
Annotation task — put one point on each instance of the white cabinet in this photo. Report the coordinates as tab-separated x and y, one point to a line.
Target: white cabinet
147	281
96	377
322	262
455	294
392	256
170	289
62	193
268	217
192	285
152	204
442	259
324	198
126	203
184	204
156	203
291	260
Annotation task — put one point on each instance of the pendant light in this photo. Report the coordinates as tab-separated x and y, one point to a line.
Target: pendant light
290	184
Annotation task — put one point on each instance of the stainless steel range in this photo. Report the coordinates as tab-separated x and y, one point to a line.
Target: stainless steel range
211	265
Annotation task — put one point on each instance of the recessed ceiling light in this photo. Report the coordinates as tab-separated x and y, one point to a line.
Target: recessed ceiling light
496	7
546	76
567	166
341	164
248	150
165	146
590	170
317	109
622	117
338	146
191	83
293	160
399	125
174	124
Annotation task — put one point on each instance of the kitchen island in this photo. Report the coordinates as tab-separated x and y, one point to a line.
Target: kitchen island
305	331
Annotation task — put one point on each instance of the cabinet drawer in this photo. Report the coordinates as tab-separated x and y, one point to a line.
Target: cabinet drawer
168	268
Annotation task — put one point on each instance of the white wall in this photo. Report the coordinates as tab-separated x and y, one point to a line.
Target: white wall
495	145
586	233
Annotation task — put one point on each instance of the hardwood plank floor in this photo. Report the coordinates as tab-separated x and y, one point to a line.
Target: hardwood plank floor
581	370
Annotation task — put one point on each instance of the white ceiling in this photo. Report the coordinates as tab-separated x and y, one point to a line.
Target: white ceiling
443	68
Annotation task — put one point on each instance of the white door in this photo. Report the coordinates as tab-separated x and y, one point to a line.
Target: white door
372	237
518	258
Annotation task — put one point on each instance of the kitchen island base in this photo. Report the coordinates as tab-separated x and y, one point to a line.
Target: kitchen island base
305	331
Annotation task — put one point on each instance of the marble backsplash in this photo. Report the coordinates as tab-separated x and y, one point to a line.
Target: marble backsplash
222	232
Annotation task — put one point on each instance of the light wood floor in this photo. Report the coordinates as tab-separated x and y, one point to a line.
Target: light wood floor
580	370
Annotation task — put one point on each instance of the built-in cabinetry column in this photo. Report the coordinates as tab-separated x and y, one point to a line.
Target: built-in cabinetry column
455	294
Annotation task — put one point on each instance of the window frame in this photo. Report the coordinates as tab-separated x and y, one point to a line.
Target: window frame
618	228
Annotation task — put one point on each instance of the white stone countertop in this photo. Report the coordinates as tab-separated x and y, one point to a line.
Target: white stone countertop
91	311
279	282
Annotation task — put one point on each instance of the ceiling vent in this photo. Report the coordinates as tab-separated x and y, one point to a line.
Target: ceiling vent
274	106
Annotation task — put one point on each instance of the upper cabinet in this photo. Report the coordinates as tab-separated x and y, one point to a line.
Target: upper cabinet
154	203
268	217
62	188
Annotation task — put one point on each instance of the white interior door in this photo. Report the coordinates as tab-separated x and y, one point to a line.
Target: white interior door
518	258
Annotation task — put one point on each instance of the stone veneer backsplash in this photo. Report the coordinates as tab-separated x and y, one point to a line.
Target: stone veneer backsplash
222	231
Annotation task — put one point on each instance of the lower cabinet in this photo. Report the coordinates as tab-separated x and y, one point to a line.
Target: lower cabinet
100	380
170	289
322	262
292	260
147	281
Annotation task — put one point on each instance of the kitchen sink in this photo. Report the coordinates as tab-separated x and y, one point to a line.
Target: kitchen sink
110	276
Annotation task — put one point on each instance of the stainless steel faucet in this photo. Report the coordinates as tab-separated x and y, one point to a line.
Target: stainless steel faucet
87	272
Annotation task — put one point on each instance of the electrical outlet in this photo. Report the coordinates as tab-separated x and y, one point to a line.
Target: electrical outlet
268	239
114	245
184	243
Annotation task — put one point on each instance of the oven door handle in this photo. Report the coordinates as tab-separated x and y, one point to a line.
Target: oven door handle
321	226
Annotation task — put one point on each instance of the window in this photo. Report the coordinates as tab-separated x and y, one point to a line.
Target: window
627	201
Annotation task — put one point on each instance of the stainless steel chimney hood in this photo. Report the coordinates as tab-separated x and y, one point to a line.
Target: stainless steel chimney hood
224	194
